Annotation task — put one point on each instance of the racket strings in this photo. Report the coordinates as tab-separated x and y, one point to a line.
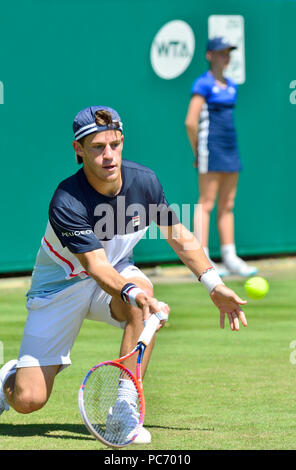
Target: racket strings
114	420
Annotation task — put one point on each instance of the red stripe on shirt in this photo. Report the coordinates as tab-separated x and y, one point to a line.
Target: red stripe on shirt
71	266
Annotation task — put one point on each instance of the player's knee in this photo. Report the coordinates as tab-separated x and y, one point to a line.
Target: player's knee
27	401
207	205
226	206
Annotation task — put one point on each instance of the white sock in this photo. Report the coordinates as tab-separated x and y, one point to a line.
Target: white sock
127	391
228	251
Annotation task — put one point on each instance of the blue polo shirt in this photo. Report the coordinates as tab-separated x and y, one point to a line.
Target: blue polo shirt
217	138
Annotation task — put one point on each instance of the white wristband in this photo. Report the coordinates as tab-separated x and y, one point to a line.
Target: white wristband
211	279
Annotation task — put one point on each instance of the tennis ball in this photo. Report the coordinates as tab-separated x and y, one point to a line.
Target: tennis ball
256	287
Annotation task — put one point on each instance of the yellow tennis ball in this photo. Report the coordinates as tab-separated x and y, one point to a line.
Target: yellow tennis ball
256	287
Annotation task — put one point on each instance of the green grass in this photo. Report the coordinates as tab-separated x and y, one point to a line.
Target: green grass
205	388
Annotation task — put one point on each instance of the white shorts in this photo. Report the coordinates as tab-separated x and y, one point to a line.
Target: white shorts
53	322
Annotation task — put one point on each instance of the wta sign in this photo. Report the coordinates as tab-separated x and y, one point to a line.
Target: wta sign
172	49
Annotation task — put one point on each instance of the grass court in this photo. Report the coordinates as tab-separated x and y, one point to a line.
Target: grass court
205	388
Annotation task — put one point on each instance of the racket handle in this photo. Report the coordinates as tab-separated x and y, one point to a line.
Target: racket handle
151	327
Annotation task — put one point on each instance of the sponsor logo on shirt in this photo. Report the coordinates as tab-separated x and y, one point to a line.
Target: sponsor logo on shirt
76	233
136	220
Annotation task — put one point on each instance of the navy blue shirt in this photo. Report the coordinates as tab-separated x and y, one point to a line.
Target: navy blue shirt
82	218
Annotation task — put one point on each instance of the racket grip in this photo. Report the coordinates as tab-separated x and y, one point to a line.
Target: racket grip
151	327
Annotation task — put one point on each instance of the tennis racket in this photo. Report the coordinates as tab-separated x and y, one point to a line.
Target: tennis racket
106	417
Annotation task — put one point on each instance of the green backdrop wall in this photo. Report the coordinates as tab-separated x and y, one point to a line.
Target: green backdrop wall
59	56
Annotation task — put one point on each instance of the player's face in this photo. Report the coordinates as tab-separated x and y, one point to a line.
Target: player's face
101	153
219	58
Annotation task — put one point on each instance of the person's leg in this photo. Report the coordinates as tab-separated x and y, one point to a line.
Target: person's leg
208	188
209	184
115	312
134	325
226	199
52	325
29	388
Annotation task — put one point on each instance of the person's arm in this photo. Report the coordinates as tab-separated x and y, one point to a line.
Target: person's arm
189	250
98	267
89	251
192	119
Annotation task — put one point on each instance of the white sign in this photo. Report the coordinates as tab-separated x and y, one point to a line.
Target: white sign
1	93
231	27
172	49
293	94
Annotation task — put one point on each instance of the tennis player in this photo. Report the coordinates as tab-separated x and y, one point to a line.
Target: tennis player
84	268
212	135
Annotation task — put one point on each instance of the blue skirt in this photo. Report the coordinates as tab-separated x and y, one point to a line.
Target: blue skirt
218	157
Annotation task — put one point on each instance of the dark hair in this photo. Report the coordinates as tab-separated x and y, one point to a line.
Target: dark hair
102	118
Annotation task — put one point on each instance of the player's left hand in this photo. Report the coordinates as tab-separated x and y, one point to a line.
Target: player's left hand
151	306
165	309
229	303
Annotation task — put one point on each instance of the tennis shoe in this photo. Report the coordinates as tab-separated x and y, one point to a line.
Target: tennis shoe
144	437
10	365
236	265
122	421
